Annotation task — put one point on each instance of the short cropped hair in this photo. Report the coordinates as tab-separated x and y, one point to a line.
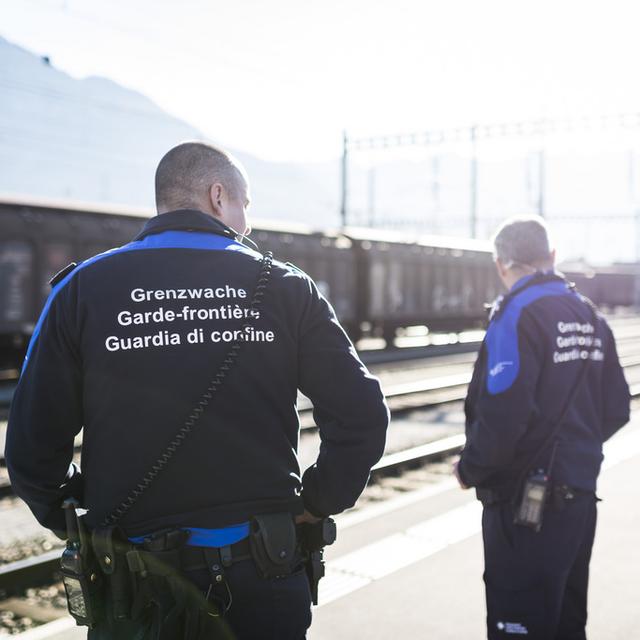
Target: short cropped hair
522	240
186	172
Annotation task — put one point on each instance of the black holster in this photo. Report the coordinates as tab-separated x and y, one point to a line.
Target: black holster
145	585
110	547
313	539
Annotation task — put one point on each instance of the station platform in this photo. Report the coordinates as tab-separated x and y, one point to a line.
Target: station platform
421	575
412	567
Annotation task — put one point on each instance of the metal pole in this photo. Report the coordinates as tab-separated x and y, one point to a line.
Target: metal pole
435	190
633	196
635	208
529	179
372	196
474	182
632	178
343	200
541	182
637	226
541	172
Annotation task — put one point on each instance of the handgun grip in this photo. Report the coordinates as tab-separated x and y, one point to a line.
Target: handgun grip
315	572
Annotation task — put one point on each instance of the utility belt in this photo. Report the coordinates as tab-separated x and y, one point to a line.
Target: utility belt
535	498
150	579
556	497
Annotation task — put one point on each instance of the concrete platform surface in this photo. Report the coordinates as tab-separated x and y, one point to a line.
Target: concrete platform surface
412	568
441	595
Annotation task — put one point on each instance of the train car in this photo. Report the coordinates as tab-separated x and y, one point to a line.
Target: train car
378	281
39	237
442	283
327	257
609	287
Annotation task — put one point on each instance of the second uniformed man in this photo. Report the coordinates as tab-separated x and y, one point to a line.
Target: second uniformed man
126	348
547	391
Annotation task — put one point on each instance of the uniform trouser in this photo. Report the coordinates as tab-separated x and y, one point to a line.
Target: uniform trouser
261	609
536	583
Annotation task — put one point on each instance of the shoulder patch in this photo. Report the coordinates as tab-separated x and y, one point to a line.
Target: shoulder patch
502	338
503	362
63	273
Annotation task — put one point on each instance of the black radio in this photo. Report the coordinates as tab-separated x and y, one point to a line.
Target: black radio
534	496
80	575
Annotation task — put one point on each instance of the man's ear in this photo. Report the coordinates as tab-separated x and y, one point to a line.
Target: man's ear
552	253
216	195
502	271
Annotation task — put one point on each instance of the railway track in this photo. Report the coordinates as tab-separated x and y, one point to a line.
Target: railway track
8	378
401	397
372	358
16	577
42	570
453	387
417	393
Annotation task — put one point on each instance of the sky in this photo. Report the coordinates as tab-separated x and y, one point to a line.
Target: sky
282	79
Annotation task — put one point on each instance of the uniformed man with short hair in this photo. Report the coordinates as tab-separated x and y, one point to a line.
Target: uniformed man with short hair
547	391
198	471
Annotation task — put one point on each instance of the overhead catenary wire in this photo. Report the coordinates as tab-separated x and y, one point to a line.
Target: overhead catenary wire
499	130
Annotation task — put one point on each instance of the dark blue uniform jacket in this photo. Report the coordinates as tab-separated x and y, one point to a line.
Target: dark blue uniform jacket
125	347
539	338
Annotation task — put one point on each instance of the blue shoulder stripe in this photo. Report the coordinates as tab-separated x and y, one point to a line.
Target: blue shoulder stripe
503	357
165	240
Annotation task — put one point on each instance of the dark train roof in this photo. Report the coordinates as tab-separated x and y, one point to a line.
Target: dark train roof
434	241
74	205
358	234
80	206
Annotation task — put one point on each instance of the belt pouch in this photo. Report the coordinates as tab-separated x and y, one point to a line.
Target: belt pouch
273	544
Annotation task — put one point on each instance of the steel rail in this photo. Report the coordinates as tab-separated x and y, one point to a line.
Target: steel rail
392	463
31	572
401	397
40	570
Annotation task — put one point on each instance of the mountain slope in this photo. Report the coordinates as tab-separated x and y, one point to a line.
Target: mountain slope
94	140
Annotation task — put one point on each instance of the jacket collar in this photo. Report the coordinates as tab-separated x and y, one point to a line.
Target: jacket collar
535	278
539	277
185	220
